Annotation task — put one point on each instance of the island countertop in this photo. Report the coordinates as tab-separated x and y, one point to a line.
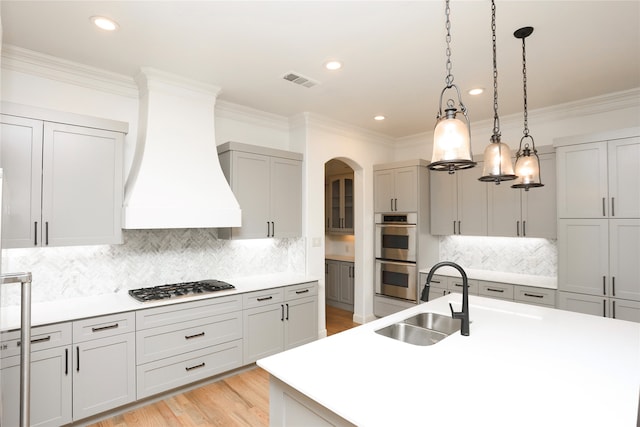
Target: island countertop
521	365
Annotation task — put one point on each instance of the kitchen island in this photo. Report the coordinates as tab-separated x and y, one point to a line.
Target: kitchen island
521	365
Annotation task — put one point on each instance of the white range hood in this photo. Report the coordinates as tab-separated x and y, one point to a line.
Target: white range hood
176	180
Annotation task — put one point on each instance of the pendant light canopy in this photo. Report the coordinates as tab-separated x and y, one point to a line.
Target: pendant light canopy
452	134
497	156
527	160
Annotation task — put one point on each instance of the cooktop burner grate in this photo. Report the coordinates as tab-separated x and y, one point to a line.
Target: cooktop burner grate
179	289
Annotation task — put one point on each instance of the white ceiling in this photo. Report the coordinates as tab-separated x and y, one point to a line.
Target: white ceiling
393	51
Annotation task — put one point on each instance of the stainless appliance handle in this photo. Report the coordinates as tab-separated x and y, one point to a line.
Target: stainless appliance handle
25	341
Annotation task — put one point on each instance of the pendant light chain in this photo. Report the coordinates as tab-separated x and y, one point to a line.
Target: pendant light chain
496	120
524	84
449	78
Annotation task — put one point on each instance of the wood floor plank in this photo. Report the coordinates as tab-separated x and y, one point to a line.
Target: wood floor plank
241	400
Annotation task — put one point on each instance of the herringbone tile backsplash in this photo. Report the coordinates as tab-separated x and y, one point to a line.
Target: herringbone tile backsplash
147	258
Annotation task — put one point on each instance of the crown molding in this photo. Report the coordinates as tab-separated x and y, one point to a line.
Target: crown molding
50	67
316	121
229	110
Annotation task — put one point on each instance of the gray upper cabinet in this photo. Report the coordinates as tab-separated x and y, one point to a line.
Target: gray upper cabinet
63	184
599	179
396	189
268	186
340	204
458	203
520	213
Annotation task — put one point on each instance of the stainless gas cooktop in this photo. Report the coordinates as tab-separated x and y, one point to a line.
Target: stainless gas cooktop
179	289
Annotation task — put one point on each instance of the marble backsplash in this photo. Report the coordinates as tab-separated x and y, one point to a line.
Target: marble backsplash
147	258
537	257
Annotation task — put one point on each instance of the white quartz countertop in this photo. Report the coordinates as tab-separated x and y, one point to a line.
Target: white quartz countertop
346	258
501	277
521	365
99	305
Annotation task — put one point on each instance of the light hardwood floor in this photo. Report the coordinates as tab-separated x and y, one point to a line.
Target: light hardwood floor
239	400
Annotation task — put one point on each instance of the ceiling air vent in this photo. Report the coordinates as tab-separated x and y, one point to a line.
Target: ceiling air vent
299	79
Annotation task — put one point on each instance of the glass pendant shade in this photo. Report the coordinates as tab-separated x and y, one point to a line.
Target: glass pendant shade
497	162
451	144
527	169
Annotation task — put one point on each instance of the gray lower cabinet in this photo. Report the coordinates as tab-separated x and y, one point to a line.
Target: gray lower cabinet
182	343
339	280
51	379
279	319
600	306
103	364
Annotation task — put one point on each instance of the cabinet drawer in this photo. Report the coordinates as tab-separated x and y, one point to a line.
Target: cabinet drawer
171	340
260	298
301	291
187	311
104	326
538	296
166	374
496	290
455	285
42	338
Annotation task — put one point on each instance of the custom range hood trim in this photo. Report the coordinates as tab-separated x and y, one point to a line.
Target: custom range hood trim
176	180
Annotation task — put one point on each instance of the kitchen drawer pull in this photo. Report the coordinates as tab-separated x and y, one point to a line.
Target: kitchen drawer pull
459	285
188	337
526	294
304	291
191	368
104	328
495	290
38	340
265	298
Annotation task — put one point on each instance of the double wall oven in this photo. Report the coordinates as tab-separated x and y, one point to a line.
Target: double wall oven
396	247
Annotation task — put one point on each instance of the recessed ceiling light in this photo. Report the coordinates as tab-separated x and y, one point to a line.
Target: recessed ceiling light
104	23
476	91
333	65
379	118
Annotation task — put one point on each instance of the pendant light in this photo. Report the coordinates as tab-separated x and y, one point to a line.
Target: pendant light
452	135
527	160
497	156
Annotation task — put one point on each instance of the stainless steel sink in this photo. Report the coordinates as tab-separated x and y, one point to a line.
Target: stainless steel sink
422	329
435	322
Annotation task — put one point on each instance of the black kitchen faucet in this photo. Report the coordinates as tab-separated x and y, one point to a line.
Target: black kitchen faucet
462	315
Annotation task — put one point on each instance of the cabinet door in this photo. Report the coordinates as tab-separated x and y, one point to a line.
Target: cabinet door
346	282
286	197
104	374
335	204
624	265
625	310
582	180
539	214
301	322
263	334
50	388
624	184
472	202
333	280
82	185
384	188
21	161
347	205
444	203
504	210
583	256
406	189
251	186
